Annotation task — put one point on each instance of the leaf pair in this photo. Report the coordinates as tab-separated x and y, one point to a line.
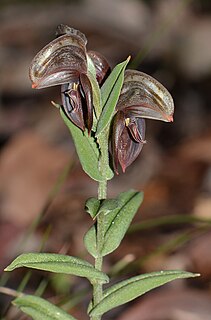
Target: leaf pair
117	221
39	308
114	296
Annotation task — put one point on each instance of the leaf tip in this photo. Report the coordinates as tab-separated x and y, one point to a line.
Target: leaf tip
197	274
9	268
57	105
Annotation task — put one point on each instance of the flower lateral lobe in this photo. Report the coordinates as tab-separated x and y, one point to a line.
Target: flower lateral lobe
77	102
128	138
72	104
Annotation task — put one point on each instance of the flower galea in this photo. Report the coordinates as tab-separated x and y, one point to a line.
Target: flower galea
64	62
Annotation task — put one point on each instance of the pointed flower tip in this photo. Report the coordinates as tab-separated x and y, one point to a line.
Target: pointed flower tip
170	118
116	171
123	168
34	85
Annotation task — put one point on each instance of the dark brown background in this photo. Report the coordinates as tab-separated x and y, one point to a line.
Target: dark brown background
172	41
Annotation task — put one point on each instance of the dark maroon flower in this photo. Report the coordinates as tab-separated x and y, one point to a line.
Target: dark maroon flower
127	139
64	62
141	97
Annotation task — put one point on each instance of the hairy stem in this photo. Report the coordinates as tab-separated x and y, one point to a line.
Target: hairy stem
102	194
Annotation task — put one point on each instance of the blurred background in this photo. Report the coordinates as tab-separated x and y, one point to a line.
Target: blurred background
43	188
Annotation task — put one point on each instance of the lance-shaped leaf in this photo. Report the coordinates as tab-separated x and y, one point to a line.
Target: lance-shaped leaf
58	263
61	61
117	221
110	92
120	219
40	309
86	148
144	97
97	102
132	288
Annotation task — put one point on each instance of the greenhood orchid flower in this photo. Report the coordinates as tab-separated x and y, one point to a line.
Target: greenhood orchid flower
141	97
64	62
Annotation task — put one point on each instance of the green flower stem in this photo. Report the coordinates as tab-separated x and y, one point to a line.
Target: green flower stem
102	194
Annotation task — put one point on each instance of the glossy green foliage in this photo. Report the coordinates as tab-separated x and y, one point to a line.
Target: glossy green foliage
132	288
86	148
110	92
118	219
58	263
97	101
40	309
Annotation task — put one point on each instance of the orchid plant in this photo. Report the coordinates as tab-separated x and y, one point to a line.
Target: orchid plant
105	112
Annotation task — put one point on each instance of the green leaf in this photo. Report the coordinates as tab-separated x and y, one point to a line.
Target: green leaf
110	92
39	308
86	148
90	241
92	206
58	263
119	220
132	288
97	101
108	205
